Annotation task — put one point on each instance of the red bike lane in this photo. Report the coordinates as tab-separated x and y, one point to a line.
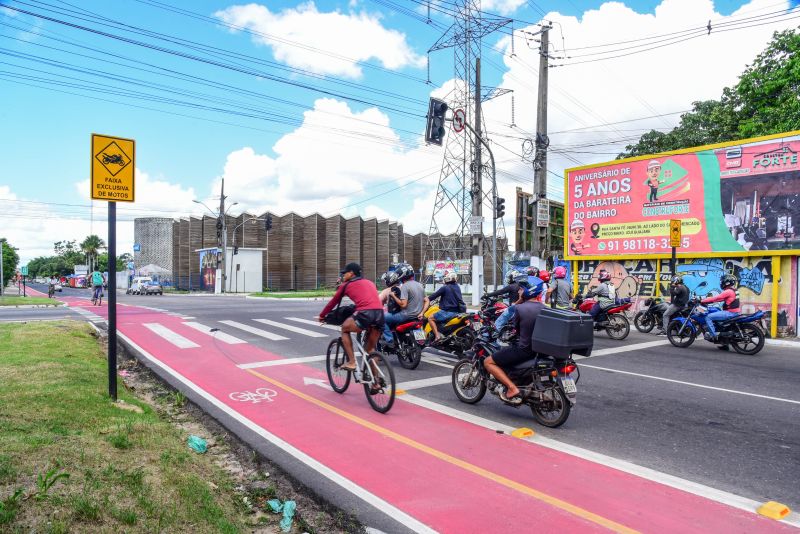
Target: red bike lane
430	471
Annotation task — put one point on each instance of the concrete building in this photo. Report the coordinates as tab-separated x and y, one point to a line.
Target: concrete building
525	226
154	237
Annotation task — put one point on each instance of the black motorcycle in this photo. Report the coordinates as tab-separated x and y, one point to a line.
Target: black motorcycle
651	316
547	385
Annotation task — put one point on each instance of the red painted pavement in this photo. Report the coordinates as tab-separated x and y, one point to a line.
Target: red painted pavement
387	461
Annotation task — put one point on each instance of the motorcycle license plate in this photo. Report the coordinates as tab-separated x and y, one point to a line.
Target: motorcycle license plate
569	386
419	335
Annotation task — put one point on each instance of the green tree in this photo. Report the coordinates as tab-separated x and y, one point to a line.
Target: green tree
10	260
91	247
763	102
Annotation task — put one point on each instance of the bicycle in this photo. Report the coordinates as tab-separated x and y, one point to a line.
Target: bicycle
372	370
97	297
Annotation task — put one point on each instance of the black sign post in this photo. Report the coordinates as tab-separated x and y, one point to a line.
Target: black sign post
112	300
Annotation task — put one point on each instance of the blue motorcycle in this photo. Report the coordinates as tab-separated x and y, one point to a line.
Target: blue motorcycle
740	332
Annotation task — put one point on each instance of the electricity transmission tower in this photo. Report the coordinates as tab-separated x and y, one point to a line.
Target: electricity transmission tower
460	195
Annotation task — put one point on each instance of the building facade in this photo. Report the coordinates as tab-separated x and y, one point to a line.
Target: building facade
153	235
525	227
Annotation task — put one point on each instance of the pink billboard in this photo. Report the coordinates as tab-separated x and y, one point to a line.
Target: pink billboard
739	198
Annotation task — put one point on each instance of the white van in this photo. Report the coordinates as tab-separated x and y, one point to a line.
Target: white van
137	285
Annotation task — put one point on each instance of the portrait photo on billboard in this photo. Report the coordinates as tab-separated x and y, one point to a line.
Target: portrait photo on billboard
737	197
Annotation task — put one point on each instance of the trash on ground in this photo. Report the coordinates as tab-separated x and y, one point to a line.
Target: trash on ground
288	508
198	444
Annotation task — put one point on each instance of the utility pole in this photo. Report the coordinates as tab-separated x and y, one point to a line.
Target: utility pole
477	194
224	234
540	161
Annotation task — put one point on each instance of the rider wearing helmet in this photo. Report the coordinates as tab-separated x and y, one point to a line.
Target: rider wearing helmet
396	300
527	311
679	298
559	293
450	303
409	299
730	304
604	292
512	290
544	276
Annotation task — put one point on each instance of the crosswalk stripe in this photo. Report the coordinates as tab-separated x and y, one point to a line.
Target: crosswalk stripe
256	331
286	361
222	336
173	337
93	317
315	323
291	328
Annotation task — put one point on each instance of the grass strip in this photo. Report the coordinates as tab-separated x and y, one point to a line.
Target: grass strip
72	461
28	301
295	294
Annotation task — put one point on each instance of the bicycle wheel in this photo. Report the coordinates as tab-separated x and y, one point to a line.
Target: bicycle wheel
338	378
379	384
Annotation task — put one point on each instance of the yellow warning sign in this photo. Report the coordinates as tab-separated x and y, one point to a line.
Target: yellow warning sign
675	232
113	164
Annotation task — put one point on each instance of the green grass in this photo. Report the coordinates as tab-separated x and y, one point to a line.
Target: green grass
295	294
23	301
173	291
73	462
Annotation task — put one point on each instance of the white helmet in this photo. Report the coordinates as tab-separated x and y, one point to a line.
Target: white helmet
450	277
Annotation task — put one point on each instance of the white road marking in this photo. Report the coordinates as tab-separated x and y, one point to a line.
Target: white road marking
646	473
254	330
286	361
222	336
435	360
624	348
662	379
370	498
291	328
424	382
173	337
315	323
89	315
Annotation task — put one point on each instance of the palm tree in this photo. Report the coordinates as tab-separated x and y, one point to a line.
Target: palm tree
91	246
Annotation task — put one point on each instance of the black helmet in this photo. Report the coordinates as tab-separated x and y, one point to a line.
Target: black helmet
676	280
728	281
533	271
521	279
390	278
405	271
512	275
603	275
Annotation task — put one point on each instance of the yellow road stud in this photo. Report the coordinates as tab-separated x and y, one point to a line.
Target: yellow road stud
774	510
522	433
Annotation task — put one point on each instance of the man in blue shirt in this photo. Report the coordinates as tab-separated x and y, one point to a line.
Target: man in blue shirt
450	303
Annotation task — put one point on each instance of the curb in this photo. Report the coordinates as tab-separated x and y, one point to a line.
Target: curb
32	306
783	342
300	299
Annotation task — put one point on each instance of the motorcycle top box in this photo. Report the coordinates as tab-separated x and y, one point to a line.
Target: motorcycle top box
561	333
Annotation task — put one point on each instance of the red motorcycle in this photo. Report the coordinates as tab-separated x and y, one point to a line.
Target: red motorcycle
491	309
613	319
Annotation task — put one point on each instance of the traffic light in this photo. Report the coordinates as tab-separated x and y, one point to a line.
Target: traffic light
219	229
434	131
268	223
499	207
235	250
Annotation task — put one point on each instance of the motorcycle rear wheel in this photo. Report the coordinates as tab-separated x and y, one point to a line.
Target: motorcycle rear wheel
552	412
682	339
463	341
618	326
468	384
753	342
409	356
644	322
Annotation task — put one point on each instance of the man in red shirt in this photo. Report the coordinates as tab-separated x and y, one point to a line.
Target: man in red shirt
368	314
730	304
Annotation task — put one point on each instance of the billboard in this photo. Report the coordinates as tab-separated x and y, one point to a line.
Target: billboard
733	198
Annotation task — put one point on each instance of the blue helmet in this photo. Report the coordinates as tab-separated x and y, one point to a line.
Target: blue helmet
533	289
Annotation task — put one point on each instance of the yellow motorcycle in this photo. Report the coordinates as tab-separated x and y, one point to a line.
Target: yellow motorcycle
458	333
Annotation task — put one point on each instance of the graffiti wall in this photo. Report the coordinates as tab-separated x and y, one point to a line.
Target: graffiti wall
637	279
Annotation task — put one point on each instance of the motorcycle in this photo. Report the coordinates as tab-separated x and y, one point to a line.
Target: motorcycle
738	332
491	309
548	385
651	316
409	340
613	320
458	333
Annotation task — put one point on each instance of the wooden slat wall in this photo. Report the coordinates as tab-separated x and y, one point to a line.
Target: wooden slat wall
335	249
354	236
368	249
322	252
408	250
282	231
383	248
312	249
419	243
393	240
209	232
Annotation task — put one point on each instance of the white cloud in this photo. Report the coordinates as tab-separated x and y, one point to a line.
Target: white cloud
654	82
504	7
297	35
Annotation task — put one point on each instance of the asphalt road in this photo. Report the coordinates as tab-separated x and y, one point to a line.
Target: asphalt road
655	406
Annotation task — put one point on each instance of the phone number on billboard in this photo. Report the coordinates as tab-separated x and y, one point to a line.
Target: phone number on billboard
644	244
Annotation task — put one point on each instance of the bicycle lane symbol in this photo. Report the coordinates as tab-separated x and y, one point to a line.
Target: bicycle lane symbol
259	395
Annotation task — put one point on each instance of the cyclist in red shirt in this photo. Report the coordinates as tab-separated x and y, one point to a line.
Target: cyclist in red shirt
368	314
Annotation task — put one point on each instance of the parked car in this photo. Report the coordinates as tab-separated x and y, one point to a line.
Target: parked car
153	288
137	285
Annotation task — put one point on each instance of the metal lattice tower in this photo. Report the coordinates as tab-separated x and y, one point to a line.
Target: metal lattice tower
449	235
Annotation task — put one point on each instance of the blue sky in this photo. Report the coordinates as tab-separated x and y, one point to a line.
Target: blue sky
60	83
